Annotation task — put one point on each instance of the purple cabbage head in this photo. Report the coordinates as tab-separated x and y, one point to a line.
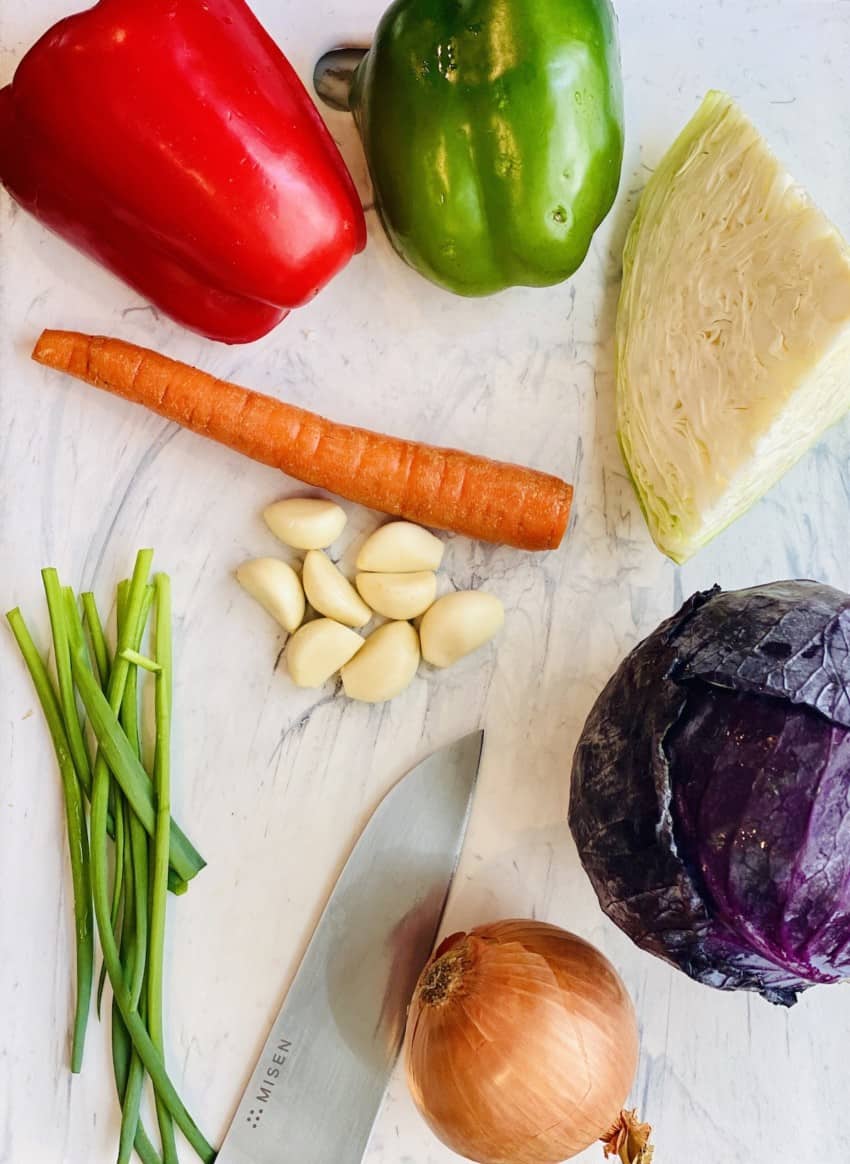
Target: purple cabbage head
710	796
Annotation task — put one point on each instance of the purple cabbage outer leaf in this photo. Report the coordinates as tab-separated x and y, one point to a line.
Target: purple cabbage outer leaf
762	810
710	797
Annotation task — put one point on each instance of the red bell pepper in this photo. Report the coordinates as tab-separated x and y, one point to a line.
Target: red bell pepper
172	141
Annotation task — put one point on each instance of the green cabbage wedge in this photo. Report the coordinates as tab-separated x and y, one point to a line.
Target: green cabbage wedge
733	329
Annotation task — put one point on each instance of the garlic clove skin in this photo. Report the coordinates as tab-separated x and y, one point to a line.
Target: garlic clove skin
330	592
400	547
458	624
318	650
305	523
276	587
398	596
384	666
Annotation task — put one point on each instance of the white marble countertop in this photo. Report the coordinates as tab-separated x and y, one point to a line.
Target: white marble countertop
277	783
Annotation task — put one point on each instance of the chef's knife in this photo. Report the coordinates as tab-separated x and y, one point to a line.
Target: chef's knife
317	1087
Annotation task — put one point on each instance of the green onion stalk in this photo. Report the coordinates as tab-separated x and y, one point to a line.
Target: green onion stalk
78	843
151	853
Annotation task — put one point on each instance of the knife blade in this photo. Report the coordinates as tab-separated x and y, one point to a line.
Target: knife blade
317	1087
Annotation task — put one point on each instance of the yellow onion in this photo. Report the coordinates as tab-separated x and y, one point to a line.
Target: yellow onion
521	1047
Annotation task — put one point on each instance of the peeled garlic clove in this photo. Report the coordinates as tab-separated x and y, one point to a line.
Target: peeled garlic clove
384	666
398	595
276	587
330	592
458	624
400	547
318	650
306	523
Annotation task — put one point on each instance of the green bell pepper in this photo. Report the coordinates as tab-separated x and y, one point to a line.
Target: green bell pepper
493	130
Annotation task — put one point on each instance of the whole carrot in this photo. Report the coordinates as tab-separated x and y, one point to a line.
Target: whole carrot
443	488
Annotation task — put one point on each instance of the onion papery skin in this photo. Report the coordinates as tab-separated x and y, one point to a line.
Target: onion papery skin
521	1044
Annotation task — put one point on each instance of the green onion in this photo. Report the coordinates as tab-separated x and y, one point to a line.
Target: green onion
76	634
135	1026
122	1049
130	1091
141	661
117	893
133	956
62	657
126	767
112	740
159	869
138	849
151	853
78	845
97	638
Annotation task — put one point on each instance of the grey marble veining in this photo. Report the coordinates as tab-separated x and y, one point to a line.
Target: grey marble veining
274	783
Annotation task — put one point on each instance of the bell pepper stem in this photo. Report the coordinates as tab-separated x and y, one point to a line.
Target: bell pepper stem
333	76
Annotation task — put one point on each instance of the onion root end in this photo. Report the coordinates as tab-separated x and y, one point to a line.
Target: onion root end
628	1140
